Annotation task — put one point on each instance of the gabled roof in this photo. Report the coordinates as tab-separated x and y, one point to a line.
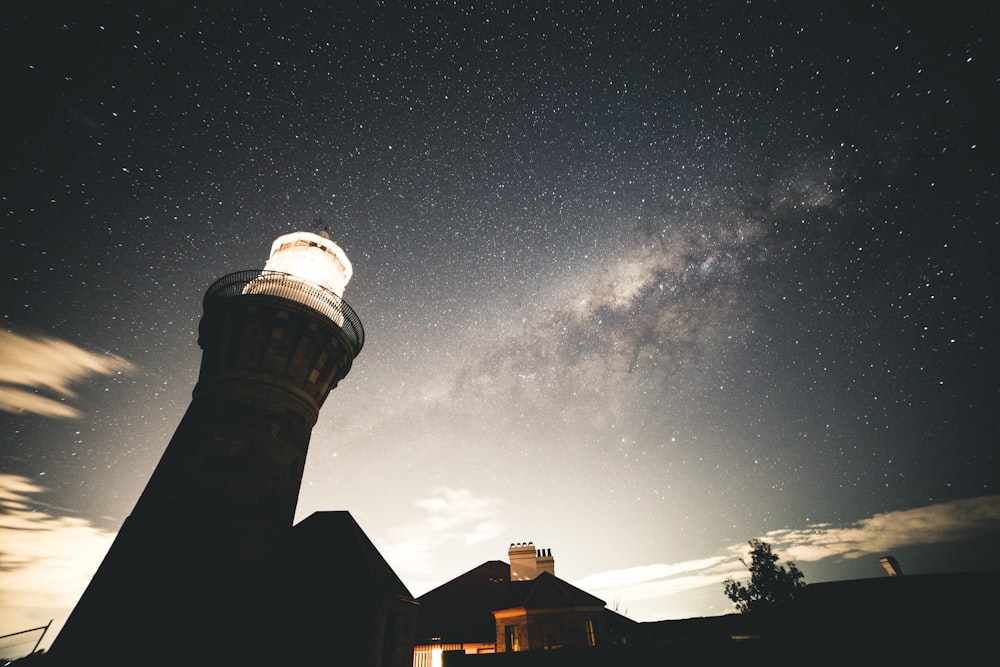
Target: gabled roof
332	552
461	610
547	591
484	582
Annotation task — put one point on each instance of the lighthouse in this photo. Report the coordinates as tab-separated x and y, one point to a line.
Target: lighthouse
197	571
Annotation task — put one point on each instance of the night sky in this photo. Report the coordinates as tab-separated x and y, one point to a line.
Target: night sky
640	281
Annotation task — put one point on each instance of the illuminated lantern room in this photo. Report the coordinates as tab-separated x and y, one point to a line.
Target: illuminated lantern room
309	269
313	258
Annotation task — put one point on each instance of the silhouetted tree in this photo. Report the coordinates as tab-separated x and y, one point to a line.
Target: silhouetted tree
769	582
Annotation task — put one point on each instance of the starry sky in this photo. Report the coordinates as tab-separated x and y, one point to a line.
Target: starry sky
640	281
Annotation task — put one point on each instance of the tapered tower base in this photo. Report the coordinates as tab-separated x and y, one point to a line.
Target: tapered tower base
197	571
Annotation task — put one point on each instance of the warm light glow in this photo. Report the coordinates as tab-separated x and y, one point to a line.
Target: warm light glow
313	258
307	268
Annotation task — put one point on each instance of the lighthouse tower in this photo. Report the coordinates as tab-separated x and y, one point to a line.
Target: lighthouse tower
197	570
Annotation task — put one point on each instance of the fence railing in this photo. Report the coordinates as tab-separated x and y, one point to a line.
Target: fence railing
293	288
11	649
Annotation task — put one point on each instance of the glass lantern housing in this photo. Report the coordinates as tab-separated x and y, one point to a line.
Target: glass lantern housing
307	268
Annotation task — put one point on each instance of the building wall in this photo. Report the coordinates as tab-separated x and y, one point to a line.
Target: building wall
356	631
531	627
433	655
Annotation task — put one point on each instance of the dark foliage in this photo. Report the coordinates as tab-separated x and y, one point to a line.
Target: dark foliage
769	584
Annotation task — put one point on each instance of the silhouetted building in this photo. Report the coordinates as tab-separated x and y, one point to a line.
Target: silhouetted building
345	599
916	619
205	569
548	613
515	608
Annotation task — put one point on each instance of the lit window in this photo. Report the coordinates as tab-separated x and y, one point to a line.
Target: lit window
510	632
588	628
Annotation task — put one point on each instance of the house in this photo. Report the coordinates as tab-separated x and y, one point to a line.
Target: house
548	613
517	607
345	604
545	621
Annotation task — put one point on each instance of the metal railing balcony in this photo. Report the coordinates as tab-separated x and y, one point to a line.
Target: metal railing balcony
293	288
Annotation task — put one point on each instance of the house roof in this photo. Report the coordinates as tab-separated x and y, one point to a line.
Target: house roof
547	591
332	552
461	610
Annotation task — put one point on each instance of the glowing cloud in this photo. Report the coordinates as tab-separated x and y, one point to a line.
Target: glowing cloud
933	524
644	574
646	582
451	516
654	584
46	561
29	364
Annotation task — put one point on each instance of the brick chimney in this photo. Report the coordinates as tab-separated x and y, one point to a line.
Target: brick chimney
891	566
527	562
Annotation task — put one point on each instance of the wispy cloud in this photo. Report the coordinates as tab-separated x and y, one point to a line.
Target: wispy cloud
933	524
658	581
37	363
46	561
449	517
645	573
